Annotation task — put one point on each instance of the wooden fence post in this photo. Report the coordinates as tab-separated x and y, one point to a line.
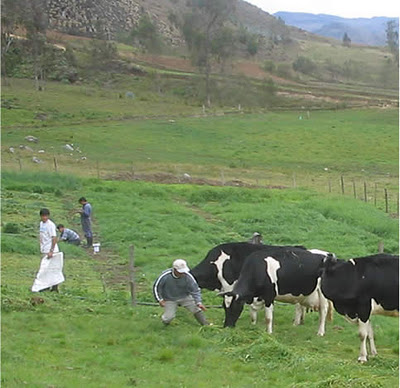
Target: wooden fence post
294	180
386	201
20	164
342	184
222	178
329	185
354	189
132	275
365	192
55	164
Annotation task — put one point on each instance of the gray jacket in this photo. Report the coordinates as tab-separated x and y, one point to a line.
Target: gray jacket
169	287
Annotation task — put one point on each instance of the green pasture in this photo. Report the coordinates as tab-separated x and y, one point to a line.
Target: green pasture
71	104
89	334
275	148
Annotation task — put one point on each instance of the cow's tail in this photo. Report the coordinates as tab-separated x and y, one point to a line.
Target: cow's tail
329	315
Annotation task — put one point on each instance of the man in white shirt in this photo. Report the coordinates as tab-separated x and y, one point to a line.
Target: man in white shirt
48	234
50	271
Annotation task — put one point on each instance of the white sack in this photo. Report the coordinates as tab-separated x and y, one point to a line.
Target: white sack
50	272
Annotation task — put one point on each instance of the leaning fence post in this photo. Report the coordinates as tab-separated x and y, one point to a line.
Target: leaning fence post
132	275
342	183
354	189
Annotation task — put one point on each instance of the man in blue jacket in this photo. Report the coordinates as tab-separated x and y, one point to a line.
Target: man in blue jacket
175	287
86	221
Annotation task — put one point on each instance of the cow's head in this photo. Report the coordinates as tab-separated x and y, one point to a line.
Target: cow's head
233	306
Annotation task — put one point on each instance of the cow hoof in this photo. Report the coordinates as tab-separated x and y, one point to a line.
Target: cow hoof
320	334
362	360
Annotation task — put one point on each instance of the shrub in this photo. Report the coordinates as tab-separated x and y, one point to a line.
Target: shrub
304	65
269	66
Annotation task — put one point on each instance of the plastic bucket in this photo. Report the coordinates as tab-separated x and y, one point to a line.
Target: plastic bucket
96	248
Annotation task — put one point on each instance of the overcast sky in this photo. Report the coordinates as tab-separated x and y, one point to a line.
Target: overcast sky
344	8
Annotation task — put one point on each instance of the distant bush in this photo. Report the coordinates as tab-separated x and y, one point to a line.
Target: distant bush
269	66
304	65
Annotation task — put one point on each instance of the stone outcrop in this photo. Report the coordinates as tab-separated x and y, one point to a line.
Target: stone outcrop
105	18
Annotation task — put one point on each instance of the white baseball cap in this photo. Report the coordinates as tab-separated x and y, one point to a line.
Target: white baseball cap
181	266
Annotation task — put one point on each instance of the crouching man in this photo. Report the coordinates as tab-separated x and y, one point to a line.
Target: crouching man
177	287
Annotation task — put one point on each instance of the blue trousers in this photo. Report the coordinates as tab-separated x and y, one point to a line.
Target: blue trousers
87	227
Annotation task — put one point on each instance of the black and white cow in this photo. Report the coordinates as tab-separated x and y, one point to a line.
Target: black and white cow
361	287
287	274
221	268
222	264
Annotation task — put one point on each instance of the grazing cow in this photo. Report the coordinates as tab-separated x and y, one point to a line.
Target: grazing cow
361	287
287	274
221	268
222	264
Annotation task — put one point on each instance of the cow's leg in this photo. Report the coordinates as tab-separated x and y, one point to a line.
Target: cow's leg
269	315
253	314
254	308
371	340
299	314
323	313
363	332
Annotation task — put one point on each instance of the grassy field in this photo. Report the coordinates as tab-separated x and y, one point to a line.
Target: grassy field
89	333
268	149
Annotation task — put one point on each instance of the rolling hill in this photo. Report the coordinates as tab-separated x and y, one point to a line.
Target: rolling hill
368	31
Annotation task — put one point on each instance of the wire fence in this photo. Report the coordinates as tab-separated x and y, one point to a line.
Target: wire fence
383	193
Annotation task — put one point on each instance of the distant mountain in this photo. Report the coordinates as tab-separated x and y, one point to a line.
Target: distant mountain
369	31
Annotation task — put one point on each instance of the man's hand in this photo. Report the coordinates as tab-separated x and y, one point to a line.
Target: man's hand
162	303
50	255
201	306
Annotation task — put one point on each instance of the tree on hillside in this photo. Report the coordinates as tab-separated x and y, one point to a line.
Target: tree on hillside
31	16
146	35
11	19
346	40
392	38
249	40
35	21
205	33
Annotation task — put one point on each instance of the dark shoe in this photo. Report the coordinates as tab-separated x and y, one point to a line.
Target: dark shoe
89	242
